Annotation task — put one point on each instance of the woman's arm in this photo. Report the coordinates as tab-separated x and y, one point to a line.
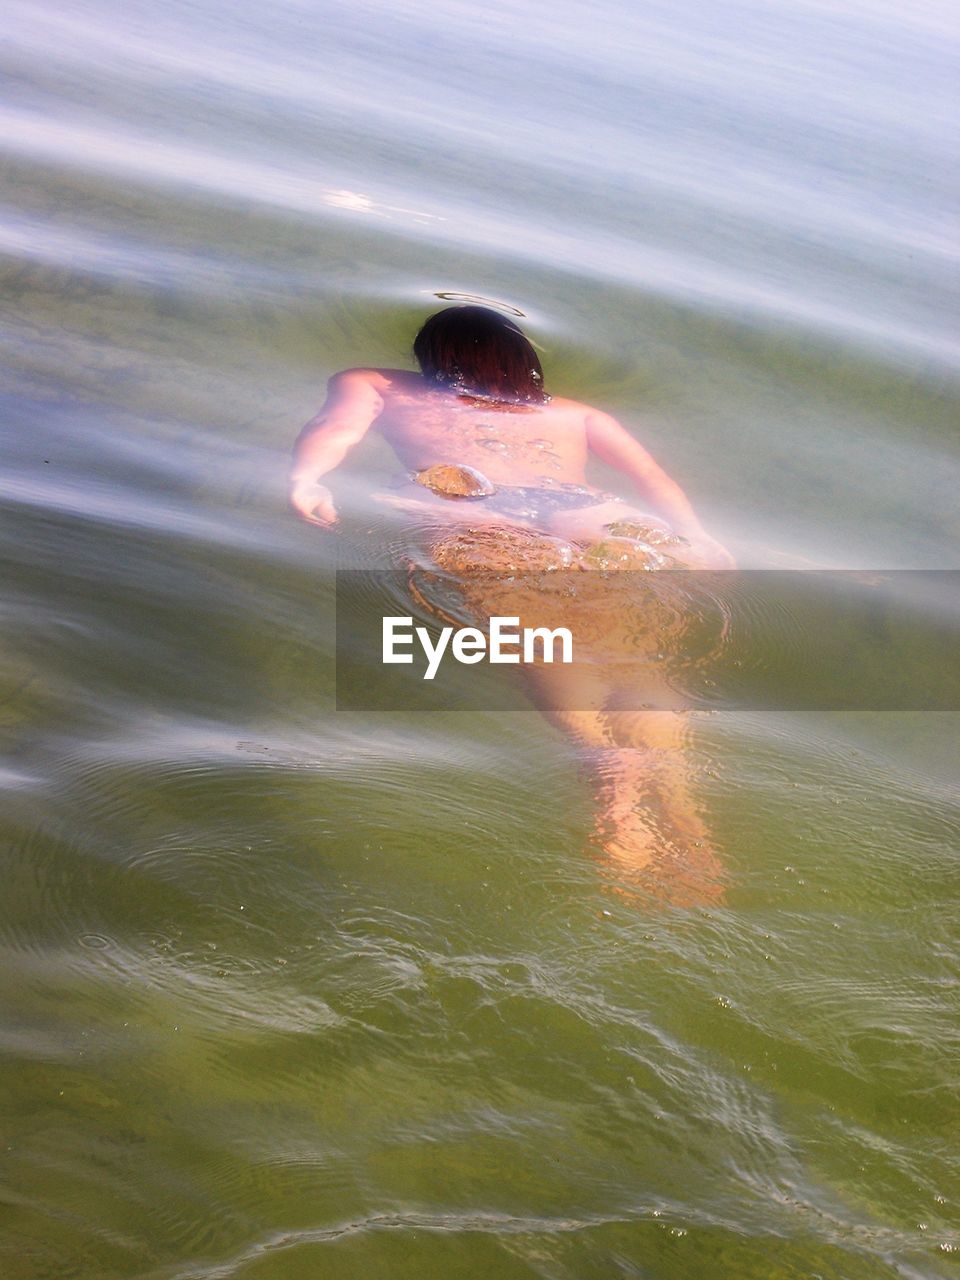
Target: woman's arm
615	446
352	404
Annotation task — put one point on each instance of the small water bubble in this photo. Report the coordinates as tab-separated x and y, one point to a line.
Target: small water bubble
678	1231
723	1002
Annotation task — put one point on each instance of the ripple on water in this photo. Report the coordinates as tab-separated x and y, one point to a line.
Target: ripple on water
381	1019
96	941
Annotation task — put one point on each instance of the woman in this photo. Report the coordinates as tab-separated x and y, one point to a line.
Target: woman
498	466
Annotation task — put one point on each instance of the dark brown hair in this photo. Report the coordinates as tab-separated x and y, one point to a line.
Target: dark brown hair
479	352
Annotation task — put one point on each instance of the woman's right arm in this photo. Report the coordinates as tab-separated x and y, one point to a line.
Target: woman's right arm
352	404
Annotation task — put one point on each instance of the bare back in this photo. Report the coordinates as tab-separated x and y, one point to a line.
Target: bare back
510	443
534	455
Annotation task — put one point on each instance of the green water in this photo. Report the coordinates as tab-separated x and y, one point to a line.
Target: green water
292	992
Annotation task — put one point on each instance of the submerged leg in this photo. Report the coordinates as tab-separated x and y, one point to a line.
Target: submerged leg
638	761
649	826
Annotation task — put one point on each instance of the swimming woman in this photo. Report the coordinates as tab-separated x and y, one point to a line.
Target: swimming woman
477	423
479	402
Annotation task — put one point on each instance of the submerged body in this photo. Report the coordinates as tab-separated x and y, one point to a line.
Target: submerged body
499	469
533	456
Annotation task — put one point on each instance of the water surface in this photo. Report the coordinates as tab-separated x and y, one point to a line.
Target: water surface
289	992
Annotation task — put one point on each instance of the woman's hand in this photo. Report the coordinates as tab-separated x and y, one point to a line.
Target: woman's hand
706	553
312	501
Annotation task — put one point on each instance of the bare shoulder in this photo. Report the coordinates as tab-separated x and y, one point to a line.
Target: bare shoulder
358	379
382	380
573	408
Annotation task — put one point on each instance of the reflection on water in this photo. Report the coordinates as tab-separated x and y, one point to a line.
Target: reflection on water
288	991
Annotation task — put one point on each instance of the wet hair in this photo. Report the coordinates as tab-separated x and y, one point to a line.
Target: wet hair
479	352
